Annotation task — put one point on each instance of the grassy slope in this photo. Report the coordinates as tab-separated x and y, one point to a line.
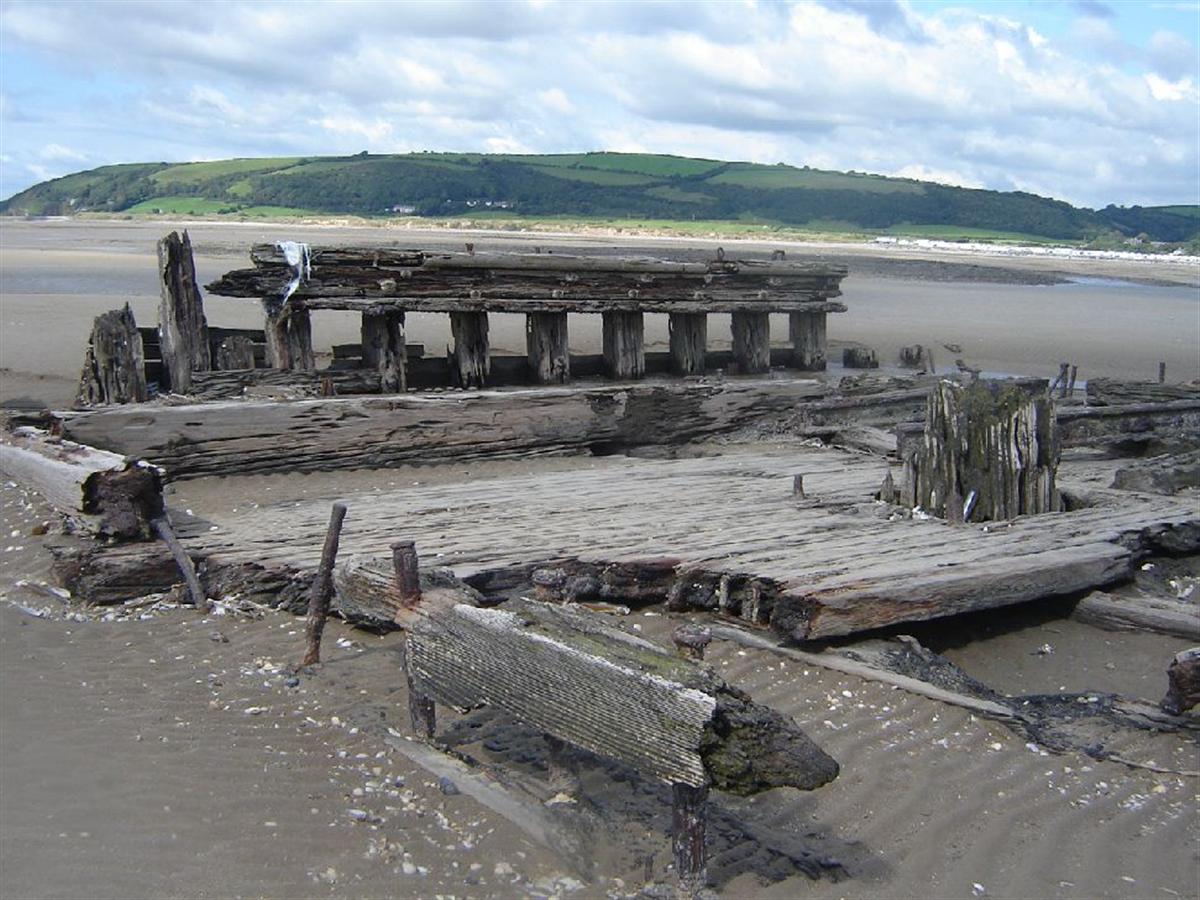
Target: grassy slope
688	195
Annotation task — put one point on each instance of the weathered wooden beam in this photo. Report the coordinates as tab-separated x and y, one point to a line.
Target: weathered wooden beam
570	674
624	345
115	497
546	346
810	345
470	353
1111	392
181	322
238	383
384	350
367	592
689	342
114	370
1158	614
751	342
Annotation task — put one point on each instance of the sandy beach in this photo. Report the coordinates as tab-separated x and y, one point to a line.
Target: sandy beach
152	751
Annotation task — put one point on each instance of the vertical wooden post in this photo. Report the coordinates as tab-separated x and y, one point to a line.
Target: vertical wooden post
751	341
1162	373
183	330
471	363
235	352
1071	381
689	340
186	567
1060	383
546	346
798	486
383	349
689	818
322	587
624	344
421	711
300	344
279	354
806	332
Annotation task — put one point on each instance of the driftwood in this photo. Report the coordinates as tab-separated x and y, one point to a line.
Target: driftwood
1160	614
114	369
112	495
379	278
1110	392
182	326
989	452
1183	677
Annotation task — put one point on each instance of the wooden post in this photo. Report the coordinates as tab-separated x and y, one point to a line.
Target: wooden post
1071	381
546	346
421	710
751	341
114	370
1060	383
383	349
689	340
624	344
279	354
806	331
1162	373
322	587
989	447
798	486
234	353
689	818
182	327
186	567
471	362
860	358
299	336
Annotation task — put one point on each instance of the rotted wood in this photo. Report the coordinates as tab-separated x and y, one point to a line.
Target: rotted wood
114	370
989	452
322	587
449	281
182	325
114	496
234	353
546	347
570	674
368	594
1166	474
624	345
1111	392
300	340
810	346
279	347
860	358
751	341
688	341
238	383
1183	678
422	711
384	350
470	353
689	819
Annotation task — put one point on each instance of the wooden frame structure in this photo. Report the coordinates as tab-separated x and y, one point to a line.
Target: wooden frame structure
384	283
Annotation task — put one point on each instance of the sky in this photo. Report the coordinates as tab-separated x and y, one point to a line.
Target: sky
1089	101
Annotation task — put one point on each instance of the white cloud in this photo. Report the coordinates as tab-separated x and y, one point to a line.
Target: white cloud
949	94
59	152
941	176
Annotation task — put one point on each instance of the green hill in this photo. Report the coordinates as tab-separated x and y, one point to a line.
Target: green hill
587	186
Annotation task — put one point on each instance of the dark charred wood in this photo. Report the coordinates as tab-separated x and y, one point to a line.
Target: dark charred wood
114	370
1183	678
860	358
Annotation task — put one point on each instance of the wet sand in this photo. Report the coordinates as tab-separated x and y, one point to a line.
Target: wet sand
55	277
168	756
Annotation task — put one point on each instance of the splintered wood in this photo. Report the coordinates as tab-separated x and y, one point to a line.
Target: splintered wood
721	533
989	452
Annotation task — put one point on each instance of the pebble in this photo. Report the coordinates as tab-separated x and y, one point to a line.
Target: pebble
358	815
502	869
448	787
292	682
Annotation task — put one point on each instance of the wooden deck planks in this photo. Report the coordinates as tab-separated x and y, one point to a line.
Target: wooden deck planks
836	554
